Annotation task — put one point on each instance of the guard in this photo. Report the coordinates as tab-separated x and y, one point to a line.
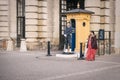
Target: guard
68	38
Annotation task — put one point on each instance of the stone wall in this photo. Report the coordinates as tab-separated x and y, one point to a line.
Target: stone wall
101	18
4	18
104	17
31	14
42	23
42	20
54	21
94	6
12	19
117	27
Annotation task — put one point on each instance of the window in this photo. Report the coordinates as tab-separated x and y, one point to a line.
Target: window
84	24
20	21
73	4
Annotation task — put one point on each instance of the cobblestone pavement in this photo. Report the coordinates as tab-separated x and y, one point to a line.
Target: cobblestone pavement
36	65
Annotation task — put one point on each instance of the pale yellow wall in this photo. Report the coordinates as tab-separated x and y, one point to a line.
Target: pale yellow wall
81	32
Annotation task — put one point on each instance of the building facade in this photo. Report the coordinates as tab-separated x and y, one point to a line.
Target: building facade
39	21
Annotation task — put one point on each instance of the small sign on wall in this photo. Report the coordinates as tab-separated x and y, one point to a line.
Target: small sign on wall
101	34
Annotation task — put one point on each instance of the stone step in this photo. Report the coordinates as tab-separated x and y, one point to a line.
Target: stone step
67	55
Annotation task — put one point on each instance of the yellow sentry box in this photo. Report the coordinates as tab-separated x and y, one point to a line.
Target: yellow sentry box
82	21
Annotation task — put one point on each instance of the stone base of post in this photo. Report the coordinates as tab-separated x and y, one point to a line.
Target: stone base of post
10	45
117	50
23	46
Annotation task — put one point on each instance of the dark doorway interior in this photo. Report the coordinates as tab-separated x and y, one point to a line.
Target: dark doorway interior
73	24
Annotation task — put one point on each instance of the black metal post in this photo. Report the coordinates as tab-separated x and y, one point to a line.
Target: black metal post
109	42
80	50
104	47
98	47
81	55
48	52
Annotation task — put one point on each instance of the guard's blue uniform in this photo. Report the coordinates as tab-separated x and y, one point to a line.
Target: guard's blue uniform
68	39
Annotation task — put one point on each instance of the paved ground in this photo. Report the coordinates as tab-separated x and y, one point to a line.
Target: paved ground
37	66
